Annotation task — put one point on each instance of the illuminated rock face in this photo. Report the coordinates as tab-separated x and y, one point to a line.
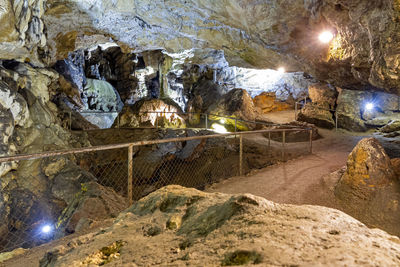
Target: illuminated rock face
151	113
252	33
267	102
218	229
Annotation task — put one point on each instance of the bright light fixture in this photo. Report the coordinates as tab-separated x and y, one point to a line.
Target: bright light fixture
46	229
369	106
281	70
325	37
218	128
222	121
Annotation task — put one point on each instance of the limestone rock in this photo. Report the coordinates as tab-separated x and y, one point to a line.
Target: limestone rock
350	105
222	229
144	113
320	111
368	190
236	104
267	103
317	115
92	203
323	95
393	126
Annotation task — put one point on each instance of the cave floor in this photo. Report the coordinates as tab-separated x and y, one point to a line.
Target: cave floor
301	180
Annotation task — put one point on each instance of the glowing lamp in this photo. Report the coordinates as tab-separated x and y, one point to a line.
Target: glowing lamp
222	121
369	106
46	229
281	70
325	37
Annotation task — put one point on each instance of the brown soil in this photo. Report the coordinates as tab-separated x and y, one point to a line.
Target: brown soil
298	181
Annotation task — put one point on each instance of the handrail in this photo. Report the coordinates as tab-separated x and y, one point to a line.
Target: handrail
141	143
207	115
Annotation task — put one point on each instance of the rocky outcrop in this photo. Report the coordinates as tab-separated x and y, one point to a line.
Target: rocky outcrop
392	126
153	113
235	104
37	191
180	226
320	110
22	30
267	102
350	105
363	51
316	115
368	189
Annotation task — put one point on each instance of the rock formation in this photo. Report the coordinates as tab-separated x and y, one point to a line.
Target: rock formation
369	188
179	226
320	110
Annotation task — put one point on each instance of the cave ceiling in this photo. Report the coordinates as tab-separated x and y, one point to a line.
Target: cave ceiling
365	53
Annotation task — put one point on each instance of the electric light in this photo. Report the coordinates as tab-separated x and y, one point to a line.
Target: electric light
46	229
325	37
222	121
281	70
218	128
369	106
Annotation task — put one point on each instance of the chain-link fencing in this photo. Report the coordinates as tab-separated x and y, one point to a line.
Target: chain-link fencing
49	195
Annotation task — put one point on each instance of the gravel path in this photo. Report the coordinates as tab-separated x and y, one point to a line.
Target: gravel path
299	181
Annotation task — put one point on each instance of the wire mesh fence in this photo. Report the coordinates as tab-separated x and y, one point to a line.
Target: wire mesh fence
52	194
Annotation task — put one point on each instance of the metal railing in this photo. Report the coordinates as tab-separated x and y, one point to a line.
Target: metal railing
62	185
208	118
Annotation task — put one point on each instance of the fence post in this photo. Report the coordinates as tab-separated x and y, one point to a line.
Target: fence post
119	121
206	121
157	119
269	140
130	175
235	125
241	155
311	139
70	121
283	144
336	120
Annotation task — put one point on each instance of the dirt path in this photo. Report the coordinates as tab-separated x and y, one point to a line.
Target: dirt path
298	181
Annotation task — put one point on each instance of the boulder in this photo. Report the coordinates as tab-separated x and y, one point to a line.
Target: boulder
323	95
316	115
267	102
180	226
320	111
92	203
238	104
393	126
368	189
350	105
143	113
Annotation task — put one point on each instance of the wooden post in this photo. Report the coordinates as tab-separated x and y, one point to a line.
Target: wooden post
206	121
130	175
311	139
235	125
70	121
269	139
336	120
283	145
241	156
